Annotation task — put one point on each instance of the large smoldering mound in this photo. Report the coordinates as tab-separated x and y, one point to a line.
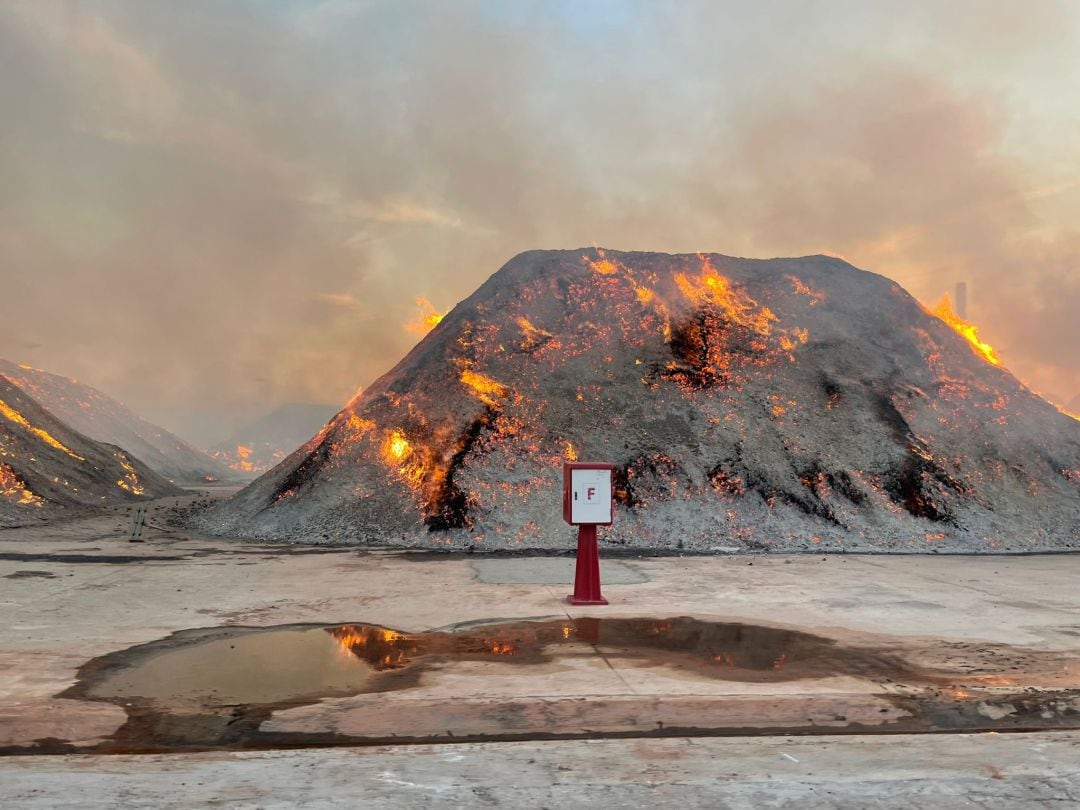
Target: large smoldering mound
747	404
48	470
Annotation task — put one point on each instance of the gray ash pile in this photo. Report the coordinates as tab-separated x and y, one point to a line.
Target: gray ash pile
48	470
783	404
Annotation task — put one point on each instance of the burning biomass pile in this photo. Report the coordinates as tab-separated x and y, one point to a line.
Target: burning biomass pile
103	419
782	404
46	468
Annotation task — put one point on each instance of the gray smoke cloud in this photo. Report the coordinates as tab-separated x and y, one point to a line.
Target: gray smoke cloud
208	209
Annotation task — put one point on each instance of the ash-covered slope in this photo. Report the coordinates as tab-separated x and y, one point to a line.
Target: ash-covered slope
779	404
103	419
47	469
265	443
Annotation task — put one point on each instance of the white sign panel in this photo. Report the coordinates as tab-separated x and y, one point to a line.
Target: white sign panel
590	496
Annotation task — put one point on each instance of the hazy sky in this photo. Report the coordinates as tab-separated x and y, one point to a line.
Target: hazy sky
210	208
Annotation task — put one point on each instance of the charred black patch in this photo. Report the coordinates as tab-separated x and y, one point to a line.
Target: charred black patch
726	481
814	478
305	471
631	482
834	394
449	506
772	494
842	483
812	506
922	489
918	484
621	491
690	347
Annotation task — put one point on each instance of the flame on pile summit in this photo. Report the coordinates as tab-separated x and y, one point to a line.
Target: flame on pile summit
787	404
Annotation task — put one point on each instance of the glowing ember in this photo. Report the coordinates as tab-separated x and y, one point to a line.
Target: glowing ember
12	488
603	265
967	330
531	336
484	388
130	481
396	447
16	417
427	318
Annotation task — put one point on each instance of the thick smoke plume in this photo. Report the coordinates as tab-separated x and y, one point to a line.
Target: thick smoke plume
213	208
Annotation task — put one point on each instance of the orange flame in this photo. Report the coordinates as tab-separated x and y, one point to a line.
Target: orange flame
967	330
713	288
426	319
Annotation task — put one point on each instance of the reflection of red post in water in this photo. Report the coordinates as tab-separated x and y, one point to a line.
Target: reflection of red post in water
587	574
587	629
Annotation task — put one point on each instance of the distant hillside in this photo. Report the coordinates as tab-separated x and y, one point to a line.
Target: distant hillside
100	417
46	468
257	447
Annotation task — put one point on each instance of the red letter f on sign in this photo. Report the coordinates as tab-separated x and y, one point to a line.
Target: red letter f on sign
589	492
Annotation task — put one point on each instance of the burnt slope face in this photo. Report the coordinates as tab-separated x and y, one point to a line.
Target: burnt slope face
103	419
788	404
48	470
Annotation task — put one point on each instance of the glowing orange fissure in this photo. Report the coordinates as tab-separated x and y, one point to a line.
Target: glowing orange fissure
968	331
20	420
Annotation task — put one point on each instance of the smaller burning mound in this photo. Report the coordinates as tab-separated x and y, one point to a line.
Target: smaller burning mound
780	404
265	443
103	419
47	468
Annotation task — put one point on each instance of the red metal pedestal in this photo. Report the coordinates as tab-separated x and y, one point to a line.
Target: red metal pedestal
587	573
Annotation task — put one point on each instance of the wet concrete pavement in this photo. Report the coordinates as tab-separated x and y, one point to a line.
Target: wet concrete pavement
978	643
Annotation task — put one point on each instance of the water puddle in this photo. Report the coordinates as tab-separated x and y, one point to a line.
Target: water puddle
246	666
218	687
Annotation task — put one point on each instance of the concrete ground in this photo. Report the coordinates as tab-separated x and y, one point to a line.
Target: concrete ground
999	635
910	772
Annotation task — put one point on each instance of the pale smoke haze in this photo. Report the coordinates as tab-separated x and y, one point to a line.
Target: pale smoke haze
208	209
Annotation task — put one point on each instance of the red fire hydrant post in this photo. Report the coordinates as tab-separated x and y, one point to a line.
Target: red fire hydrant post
587	573
587	504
